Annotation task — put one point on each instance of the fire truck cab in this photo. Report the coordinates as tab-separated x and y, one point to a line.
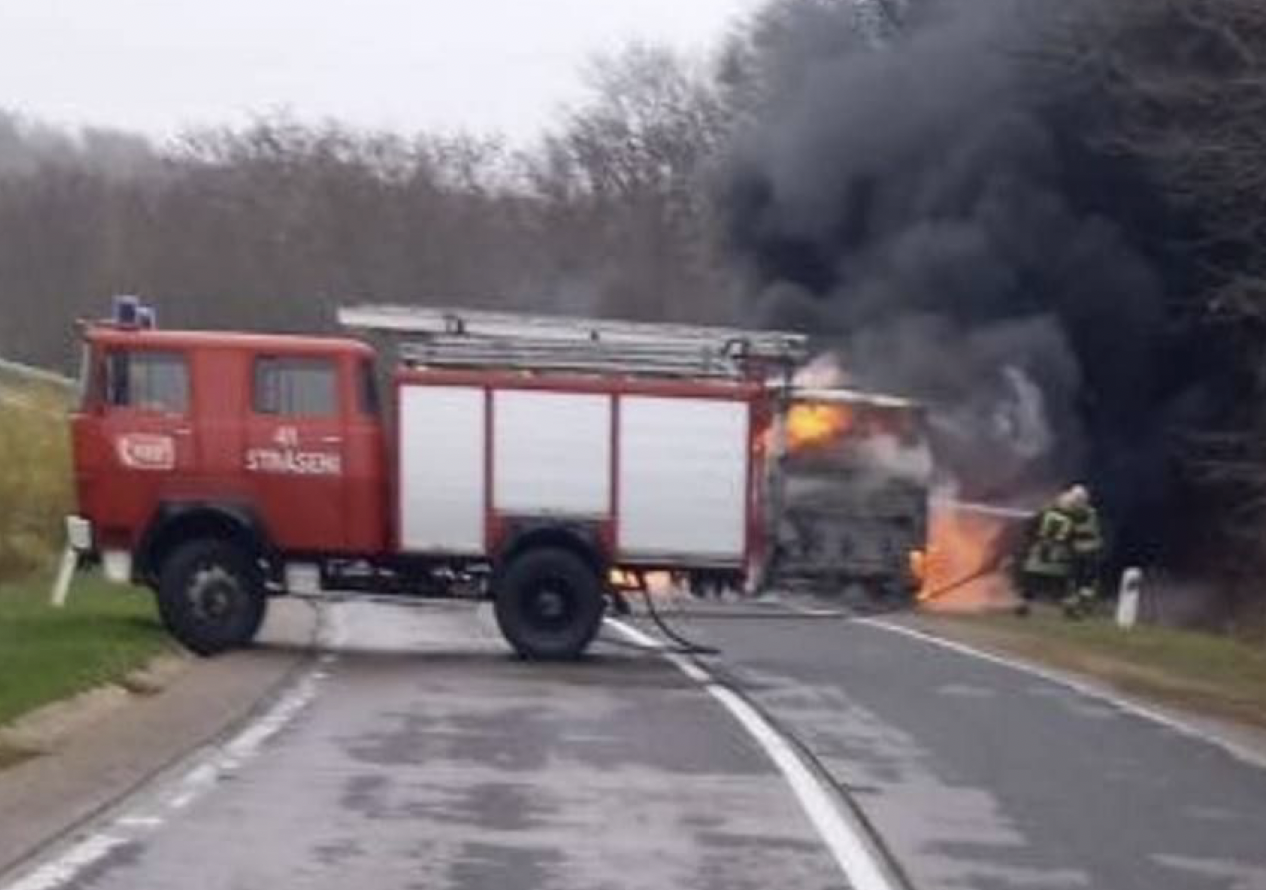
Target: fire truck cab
281	435
514	458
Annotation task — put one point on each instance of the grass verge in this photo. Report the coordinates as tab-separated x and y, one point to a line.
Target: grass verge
35	477
1212	675
47	654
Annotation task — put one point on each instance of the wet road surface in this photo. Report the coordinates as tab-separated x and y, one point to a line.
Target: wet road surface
981	776
419	754
423	756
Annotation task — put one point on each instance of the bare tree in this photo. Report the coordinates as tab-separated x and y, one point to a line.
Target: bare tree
625	185
1180	86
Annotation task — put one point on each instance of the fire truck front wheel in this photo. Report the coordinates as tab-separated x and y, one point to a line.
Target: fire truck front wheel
549	604
210	596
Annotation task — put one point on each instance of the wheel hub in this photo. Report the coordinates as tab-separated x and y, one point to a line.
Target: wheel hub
212	594
550	606
551	603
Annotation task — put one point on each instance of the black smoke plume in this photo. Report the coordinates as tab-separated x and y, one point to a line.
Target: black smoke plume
926	206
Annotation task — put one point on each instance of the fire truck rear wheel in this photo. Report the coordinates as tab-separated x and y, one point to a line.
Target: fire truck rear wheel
211	597
549	604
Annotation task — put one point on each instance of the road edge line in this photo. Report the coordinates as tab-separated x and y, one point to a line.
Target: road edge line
1081	686
58	861
845	839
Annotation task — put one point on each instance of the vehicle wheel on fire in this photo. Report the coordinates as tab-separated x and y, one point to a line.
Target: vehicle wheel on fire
210	596
549	603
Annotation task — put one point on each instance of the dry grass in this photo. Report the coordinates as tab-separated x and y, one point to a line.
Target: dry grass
35	477
47	654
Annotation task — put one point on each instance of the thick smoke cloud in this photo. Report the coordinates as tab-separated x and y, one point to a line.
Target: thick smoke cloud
914	205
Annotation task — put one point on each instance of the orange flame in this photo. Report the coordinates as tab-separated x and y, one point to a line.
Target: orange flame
961	545
811	424
623	580
657	583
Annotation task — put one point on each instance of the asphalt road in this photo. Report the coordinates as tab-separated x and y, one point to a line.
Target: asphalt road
418	754
424	756
980	776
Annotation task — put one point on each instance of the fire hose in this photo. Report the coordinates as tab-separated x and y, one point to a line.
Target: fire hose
682	645
944	589
688	645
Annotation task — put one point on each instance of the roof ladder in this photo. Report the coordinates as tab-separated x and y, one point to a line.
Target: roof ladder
451	337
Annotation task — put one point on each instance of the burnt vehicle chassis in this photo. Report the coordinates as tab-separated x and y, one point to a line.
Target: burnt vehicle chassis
852	508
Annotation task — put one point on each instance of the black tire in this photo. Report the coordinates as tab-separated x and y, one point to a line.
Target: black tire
211	596
549	604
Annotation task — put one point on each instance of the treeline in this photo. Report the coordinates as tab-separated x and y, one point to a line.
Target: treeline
274	225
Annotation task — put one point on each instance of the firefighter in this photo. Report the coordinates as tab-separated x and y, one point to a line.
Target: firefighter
1063	555
1087	554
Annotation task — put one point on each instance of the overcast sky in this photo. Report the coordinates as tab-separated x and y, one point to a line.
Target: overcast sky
161	65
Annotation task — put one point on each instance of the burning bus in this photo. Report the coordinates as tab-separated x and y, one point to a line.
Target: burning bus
852	481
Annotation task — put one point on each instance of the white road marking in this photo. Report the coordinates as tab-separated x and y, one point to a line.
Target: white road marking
182	799
247	743
838	829
1082	687
814	611
68	866
209	770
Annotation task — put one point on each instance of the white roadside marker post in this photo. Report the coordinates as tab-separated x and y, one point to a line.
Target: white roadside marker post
1128	597
65	574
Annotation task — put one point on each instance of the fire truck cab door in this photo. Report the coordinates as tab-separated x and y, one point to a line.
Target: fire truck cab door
143	444
295	450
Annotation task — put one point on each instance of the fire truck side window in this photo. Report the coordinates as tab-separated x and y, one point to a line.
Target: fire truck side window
147	381
297	387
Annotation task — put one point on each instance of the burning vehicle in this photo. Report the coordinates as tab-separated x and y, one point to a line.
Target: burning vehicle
852	482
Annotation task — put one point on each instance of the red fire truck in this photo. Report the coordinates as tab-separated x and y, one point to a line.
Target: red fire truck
524	459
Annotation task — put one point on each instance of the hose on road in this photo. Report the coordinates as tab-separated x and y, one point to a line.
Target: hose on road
683	645
844	792
688	646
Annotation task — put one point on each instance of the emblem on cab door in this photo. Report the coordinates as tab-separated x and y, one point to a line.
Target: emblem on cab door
146	451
